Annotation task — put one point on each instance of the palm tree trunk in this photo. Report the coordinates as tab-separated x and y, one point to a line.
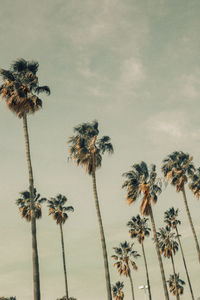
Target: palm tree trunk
64	264
103	242
184	262
36	274
159	256
132	290
191	223
174	271
147	273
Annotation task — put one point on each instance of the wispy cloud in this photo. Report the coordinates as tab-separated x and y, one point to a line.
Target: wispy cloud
132	74
173	130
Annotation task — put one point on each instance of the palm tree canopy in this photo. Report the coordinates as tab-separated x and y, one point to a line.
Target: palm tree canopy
138	228
141	180
177	167
170	217
86	148
195	183
24	204
117	290
176	282
123	256
20	87
58	210
166	241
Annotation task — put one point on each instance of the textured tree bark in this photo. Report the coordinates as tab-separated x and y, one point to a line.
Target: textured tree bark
174	271
159	256
184	262
36	274
147	273
191	223
132	289
64	264
102	236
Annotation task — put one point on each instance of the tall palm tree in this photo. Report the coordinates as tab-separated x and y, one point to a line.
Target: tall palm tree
177	168
19	89
24	204
59	211
139	229
171	219
142	181
176	285
86	149
123	256
117	290
168	247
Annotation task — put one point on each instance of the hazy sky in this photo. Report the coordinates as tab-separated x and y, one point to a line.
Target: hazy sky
134	66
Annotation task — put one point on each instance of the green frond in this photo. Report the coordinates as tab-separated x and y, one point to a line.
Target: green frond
43	89
19	65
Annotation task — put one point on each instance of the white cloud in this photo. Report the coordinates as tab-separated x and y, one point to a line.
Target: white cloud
132	72
171	130
167	125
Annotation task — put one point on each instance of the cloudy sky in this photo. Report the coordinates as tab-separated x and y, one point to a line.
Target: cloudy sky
134	66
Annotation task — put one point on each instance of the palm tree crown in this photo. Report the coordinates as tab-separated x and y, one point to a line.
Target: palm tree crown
170	218
85	147
175	281
20	86
177	167
58	209
123	255
24	204
166	241
195	183
139	181
138	228
117	290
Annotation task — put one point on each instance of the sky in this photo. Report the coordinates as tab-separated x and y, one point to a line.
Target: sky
134	66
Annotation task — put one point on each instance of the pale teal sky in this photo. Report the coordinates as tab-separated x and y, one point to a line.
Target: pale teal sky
134	66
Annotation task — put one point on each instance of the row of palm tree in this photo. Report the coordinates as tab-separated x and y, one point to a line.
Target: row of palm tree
20	89
58	210
168	246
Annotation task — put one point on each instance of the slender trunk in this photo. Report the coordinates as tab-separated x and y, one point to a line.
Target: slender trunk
131	281
191	223
103	242
36	274
184	262
174	271
64	264
147	273
159	256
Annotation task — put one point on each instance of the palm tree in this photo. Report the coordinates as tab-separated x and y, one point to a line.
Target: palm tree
141	181
139	229
176	285
117	290
87	149
24	204
58	210
123	256
168	247
177	168
19	89
170	218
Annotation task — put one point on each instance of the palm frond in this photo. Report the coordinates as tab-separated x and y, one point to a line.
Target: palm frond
42	89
